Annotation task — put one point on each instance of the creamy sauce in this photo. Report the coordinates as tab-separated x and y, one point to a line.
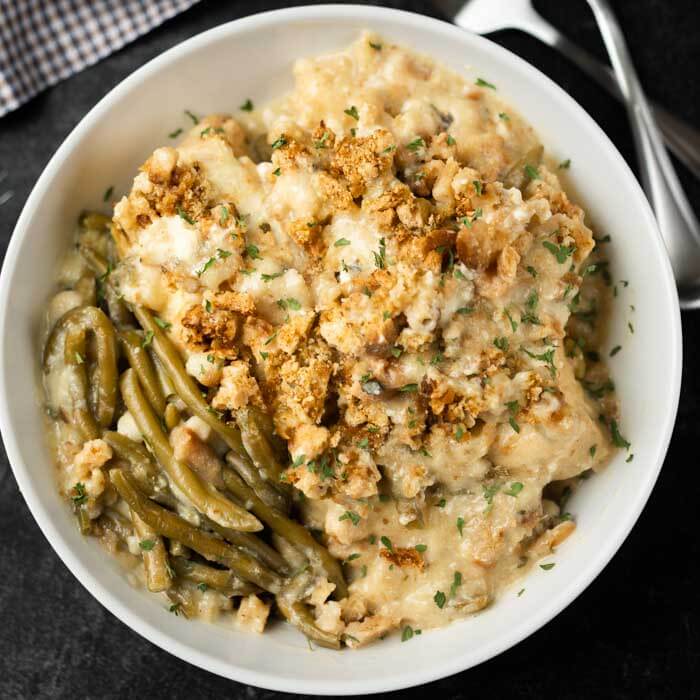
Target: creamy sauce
398	266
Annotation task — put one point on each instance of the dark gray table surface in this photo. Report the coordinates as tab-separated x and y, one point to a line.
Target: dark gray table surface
633	633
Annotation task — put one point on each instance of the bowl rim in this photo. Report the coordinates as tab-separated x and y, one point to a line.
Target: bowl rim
407	677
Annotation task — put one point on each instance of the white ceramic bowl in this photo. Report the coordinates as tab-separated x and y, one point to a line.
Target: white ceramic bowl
252	57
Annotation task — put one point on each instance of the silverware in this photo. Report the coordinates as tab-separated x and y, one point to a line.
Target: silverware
6	196
679	226
484	16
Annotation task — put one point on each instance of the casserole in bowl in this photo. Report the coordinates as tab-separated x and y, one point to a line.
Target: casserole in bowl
157	90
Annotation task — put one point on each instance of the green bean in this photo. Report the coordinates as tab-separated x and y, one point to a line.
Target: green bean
118	310
258	447
171	417
182	602
84	522
294	558
94	221
132	343
292	531
79	385
299	615
183	384
203	496
252	545
167	524
267	428
80	320
117	524
155	558
263	489
223	580
141	464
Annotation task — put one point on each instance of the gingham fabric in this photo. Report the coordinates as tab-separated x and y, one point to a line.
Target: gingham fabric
44	41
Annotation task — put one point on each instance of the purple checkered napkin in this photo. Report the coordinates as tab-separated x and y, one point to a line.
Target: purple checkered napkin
44	41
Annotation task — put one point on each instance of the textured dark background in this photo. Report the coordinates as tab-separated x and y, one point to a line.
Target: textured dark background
632	634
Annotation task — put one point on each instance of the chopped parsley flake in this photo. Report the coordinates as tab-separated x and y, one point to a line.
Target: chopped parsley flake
440	599
165	325
546	357
489	493
416	144
352	516
450	140
548	567
617	438
289	303
376	47
515	488
460	525
147	545
281	141
253	252
406	633
108	194
409	388
484	83
247	106
341	242
175	134
147	339
501	343
560	252
532	172
513	324
456	583
421	548
272	276
223	216
193	117
183	215
565	164
277	172
79	494
504	116
386	542
352	112
615	350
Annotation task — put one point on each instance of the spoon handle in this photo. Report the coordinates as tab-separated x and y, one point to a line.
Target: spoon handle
680	137
679	226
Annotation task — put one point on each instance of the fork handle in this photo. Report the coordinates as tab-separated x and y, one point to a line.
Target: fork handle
679	227
682	139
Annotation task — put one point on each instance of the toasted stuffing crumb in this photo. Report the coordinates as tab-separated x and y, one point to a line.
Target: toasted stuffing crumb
237	389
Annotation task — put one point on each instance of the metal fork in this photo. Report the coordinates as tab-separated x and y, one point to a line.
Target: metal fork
484	16
6	196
